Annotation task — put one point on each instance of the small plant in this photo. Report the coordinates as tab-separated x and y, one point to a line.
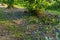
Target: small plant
17	34
33	20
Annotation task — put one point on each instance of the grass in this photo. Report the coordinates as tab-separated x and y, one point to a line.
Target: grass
30	30
19	6
57	11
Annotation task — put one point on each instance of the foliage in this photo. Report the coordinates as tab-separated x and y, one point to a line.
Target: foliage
37	4
36	7
55	4
34	4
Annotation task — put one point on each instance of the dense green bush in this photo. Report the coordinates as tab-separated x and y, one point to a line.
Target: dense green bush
55	4
35	6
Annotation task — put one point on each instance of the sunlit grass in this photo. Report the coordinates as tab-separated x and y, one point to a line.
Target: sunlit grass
5	23
57	12
18	6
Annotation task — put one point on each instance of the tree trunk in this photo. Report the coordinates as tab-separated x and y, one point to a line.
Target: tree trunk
38	12
10	6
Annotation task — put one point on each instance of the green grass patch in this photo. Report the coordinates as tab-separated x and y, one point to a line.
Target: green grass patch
57	12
